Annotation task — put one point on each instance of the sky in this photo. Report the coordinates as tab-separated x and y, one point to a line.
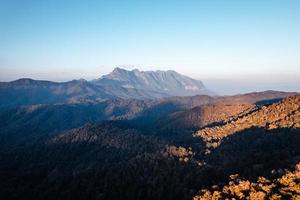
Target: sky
233	45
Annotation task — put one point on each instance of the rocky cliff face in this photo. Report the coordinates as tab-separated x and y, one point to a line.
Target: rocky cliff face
166	83
120	83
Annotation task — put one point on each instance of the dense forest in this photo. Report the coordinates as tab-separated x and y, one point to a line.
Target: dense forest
175	148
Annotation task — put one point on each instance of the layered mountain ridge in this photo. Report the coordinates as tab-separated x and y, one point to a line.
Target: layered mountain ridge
259	152
118	84
128	135
285	114
119	148
168	83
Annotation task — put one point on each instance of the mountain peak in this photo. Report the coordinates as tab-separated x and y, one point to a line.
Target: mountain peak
24	81
165	83
118	69
80	81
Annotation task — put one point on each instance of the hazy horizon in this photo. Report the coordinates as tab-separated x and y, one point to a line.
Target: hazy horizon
232	46
221	86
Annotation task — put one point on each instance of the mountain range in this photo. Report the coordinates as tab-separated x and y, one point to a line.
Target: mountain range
165	83
146	135
120	83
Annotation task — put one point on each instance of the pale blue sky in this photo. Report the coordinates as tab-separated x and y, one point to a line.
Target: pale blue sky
212	39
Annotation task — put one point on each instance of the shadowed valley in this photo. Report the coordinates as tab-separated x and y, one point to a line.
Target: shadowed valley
73	141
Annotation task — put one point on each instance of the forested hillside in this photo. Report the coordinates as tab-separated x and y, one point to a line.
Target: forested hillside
174	148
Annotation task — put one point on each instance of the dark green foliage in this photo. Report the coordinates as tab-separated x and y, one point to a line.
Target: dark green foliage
117	149
96	162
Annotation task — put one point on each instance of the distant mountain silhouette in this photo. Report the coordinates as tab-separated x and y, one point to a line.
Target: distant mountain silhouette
28	91
165	83
129	136
118	84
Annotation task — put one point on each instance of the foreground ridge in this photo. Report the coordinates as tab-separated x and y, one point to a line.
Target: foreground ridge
286	186
285	114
